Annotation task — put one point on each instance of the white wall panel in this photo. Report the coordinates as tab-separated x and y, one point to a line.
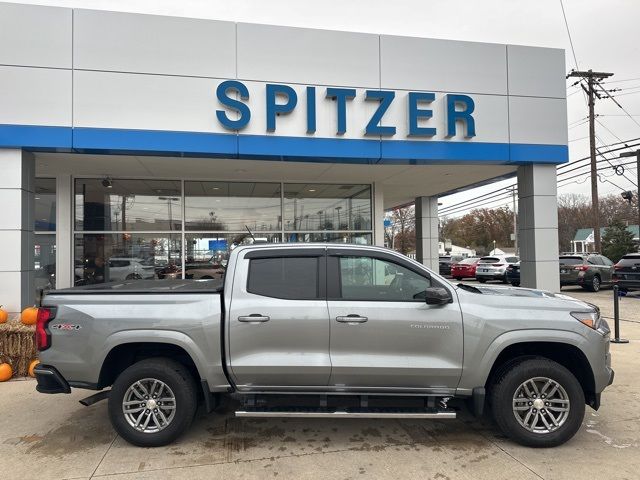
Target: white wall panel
442	65
147	102
35	96
535	71
34	35
295	123
298	55
490	114
538	120
129	42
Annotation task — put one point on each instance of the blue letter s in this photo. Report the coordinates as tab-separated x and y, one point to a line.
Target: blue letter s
237	105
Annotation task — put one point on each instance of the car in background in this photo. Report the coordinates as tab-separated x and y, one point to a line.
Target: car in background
590	271
513	274
465	268
494	267
626	273
445	263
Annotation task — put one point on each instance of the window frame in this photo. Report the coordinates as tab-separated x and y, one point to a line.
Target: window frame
321	291
334	279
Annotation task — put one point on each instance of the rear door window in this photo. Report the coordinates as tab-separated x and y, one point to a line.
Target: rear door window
291	278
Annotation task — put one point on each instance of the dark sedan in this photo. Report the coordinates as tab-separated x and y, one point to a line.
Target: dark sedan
513	274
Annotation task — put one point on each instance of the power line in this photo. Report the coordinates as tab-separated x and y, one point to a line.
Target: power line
566	24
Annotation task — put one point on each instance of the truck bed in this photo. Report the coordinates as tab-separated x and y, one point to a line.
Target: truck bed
145	286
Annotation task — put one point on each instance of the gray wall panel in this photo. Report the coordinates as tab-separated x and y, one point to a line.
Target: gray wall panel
538	120
299	55
442	65
35	96
33	35
128	42
535	71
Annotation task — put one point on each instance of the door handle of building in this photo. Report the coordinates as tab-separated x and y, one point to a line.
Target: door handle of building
254	318
351	319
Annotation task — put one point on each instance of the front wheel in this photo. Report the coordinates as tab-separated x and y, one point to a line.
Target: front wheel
152	402
595	284
538	403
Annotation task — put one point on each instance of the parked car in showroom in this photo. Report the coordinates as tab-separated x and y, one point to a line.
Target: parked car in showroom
513	274
494	267
626	273
465	268
591	271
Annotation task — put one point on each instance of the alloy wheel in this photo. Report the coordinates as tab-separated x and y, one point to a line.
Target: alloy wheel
541	405
149	405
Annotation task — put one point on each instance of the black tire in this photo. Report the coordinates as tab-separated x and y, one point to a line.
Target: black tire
458	278
177	378
481	280
133	276
507	383
595	284
515	284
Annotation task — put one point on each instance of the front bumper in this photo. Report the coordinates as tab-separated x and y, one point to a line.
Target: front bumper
50	380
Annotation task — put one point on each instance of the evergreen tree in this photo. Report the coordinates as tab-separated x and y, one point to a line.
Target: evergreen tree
617	241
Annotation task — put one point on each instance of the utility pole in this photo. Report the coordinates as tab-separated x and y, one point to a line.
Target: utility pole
592	77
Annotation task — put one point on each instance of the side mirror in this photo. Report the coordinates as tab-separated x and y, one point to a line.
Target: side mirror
437	296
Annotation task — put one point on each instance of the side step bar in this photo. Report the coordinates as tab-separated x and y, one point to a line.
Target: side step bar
445	414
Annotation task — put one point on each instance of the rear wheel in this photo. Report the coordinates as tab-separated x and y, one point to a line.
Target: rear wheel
515	284
538	403
458	278
153	402
595	284
482	280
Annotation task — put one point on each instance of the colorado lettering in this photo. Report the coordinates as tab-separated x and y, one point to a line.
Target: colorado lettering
281	100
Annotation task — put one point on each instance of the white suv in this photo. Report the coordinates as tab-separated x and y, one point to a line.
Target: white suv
494	267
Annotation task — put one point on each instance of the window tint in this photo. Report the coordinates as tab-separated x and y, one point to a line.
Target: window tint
291	278
512	259
366	278
606	261
468	261
595	260
571	261
489	260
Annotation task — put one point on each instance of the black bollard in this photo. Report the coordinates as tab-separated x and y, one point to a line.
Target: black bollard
616	317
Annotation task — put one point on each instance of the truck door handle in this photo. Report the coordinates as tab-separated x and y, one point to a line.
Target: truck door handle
352	318
254	317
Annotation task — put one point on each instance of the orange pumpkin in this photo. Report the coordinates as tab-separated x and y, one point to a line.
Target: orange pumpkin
32	365
3	315
29	315
6	372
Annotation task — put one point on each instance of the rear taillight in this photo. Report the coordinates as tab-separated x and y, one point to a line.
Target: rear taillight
581	268
617	266
43	336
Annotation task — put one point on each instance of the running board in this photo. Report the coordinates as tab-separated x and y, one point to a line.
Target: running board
444	414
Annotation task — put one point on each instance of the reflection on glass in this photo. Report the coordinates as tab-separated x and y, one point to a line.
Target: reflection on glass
125	256
107	205
228	206
45	261
45	205
333	237
207	253
327	207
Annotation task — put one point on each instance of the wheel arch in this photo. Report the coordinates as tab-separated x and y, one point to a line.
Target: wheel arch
566	354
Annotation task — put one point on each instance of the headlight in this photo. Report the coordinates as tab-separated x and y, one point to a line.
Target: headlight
590	319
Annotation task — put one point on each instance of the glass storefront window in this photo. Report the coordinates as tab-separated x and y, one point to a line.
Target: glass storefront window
45	205
45	261
333	237
128	205
207	253
327	207
126	256
229	206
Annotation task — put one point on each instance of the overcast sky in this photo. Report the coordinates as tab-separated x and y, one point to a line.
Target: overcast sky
605	36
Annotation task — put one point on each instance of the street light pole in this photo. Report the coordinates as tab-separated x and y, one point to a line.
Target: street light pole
637	155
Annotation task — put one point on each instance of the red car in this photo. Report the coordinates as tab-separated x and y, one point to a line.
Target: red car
465	268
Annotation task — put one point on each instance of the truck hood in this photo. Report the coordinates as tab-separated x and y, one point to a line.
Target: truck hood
529	296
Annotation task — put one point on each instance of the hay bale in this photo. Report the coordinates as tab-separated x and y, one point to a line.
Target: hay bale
17	343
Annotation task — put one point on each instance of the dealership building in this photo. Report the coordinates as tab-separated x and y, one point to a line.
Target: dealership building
139	146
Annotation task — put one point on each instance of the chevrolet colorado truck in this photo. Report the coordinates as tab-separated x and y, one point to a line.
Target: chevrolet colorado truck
324	330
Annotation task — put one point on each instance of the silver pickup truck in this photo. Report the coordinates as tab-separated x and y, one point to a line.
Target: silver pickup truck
325	330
